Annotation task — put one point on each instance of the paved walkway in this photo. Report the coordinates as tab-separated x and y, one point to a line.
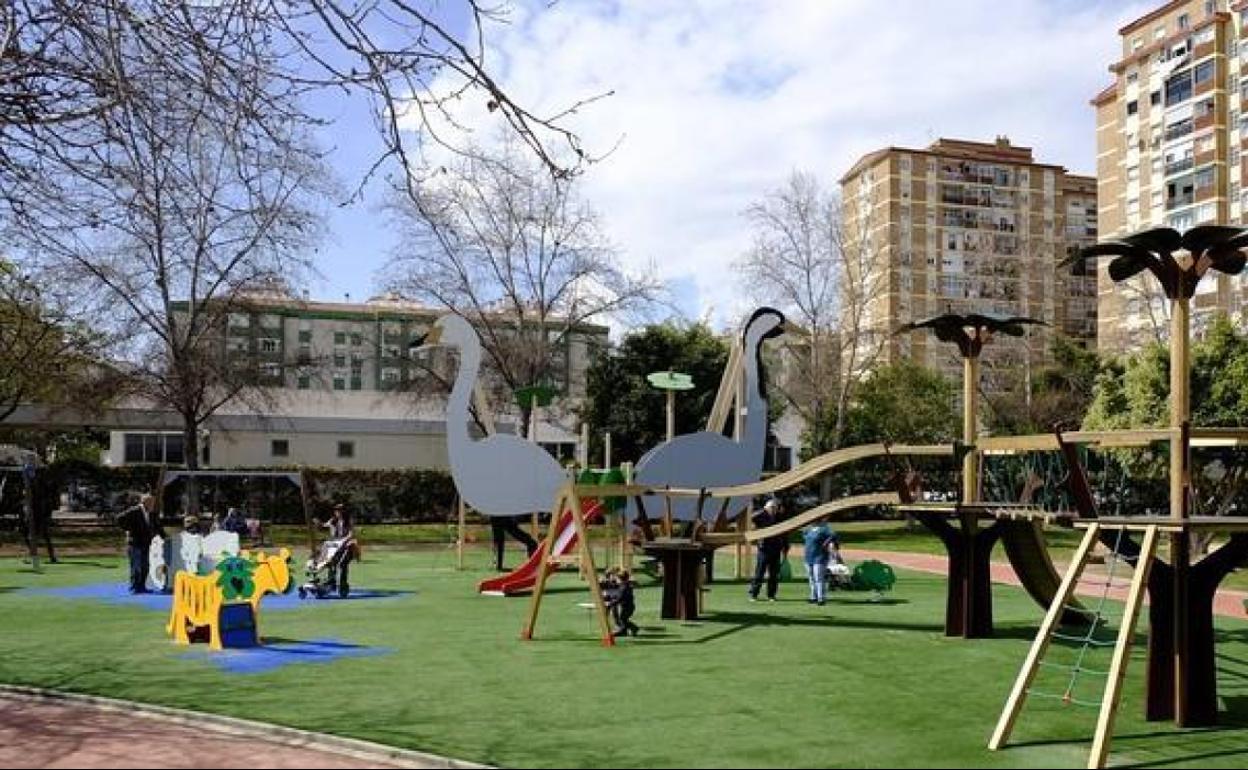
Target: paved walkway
42	733
1227	602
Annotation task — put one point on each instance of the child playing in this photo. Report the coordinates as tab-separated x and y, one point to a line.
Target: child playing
623	605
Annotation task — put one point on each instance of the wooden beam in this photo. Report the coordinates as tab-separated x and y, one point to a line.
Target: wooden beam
543	567
1044	636
589	571
1122	652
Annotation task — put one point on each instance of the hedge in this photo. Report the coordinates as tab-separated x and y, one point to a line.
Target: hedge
409	496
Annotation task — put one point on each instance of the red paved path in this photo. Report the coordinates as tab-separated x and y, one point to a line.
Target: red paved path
1227	602
69	734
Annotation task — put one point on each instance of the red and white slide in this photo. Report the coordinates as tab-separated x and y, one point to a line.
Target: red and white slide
522	578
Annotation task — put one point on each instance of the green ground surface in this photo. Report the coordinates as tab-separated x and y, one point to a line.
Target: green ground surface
855	683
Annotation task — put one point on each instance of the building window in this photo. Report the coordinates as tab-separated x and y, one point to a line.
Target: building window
1133	76
340	360
357	339
346	449
240	320
1137	44
1204	178
279	447
1209	7
269	345
1133	107
271	371
1154	98
1159	33
340	338
305	335
1203	72
357	383
390	376
1184	22
304	382
163	448
340	382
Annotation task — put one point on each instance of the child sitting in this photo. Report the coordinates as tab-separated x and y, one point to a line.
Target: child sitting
622	604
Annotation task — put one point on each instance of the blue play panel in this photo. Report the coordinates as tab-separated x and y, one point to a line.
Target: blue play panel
116	593
258	660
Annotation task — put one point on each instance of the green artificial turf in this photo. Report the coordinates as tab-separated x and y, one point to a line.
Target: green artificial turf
856	683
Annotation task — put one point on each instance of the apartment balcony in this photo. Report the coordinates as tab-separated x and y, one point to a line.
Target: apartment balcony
1179	166
1178	130
1179	201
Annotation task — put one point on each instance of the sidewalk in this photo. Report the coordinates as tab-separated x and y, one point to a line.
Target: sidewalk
51	731
1228	603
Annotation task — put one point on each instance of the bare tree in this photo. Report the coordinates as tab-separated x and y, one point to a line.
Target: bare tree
517	253
44	354
66	65
820	267
172	204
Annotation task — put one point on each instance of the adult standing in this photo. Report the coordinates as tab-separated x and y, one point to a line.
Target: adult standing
769	554
501	527
818	538
340	528
142	524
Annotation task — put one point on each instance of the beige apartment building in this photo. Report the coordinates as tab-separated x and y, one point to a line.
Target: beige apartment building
338	388
963	226
1171	134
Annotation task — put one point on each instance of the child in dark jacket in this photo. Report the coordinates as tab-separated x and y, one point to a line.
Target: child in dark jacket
623	605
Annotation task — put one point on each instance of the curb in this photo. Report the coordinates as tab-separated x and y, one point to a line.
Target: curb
279	735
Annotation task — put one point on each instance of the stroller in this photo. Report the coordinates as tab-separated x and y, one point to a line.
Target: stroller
838	575
322	570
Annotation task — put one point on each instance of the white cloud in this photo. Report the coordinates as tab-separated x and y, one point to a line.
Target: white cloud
715	102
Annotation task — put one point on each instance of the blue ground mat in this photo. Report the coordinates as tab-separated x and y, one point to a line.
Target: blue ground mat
116	593
258	660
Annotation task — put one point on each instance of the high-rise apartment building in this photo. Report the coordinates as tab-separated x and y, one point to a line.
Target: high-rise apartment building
1171	134
967	226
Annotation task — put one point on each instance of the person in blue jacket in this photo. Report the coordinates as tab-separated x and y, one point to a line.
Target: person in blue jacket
818	539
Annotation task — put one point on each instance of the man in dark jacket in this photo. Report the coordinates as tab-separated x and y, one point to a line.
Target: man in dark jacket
770	551
142	524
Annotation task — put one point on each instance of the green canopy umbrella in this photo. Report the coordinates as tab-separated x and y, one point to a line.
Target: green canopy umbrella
671	382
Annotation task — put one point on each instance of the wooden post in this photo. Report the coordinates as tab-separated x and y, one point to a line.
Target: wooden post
1122	652
1180	414
1031	665
460	531
970	430
543	565
671	414
589	571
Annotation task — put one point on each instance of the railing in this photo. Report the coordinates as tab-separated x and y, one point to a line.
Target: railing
1179	201
1179	166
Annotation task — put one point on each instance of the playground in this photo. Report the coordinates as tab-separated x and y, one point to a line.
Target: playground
433	666
904	666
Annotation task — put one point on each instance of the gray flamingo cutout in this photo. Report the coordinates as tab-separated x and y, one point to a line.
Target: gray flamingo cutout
499	475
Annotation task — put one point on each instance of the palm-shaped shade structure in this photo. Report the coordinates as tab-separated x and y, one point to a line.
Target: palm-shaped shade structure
1210	247
1178	261
972	330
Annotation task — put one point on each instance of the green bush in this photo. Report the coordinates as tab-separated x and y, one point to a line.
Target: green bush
411	496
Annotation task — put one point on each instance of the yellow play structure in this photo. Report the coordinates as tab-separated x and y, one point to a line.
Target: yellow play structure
224	606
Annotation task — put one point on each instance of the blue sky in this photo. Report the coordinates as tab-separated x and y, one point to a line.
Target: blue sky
716	101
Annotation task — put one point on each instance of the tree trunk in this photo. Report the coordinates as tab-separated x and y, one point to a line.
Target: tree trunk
190	451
